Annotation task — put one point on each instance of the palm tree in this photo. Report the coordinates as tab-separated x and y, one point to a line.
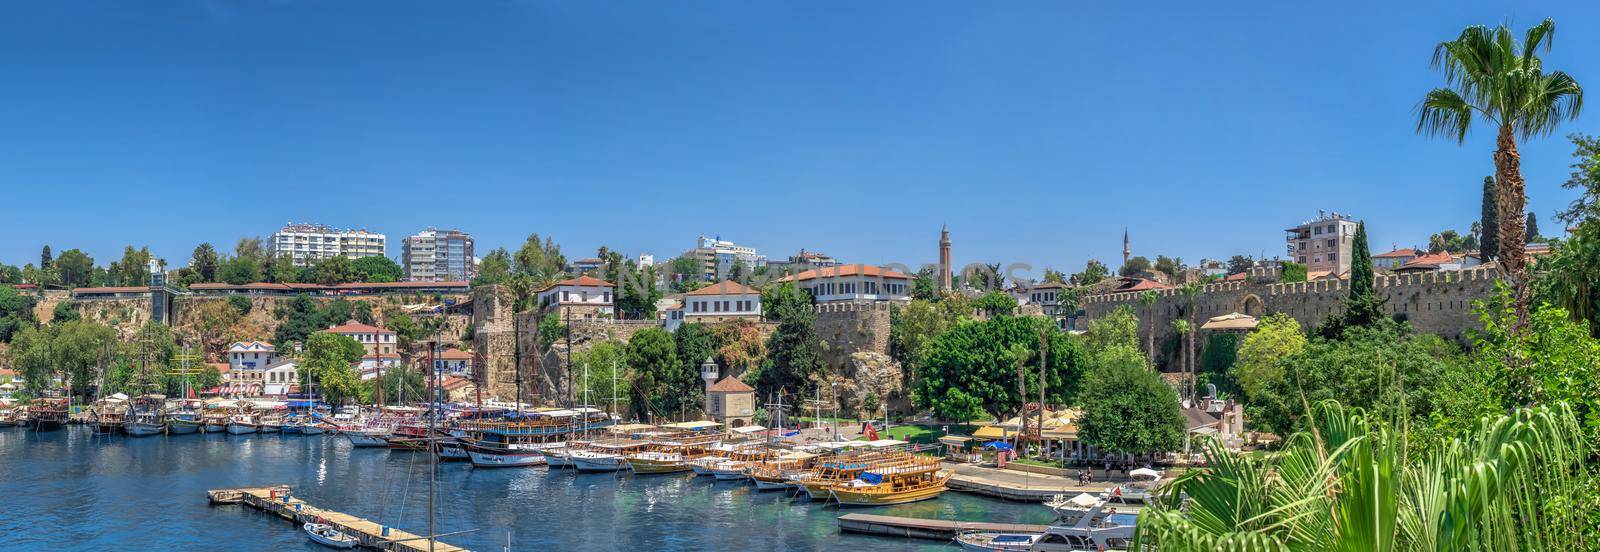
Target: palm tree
1492	76
1348	484
1183	329
1190	293
1149	299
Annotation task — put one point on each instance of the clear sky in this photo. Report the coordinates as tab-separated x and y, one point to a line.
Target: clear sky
1037	131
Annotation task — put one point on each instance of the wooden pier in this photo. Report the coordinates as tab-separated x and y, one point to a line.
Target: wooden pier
918	528
279	501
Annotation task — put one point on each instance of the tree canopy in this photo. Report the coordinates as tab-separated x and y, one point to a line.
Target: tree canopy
971	364
1128	408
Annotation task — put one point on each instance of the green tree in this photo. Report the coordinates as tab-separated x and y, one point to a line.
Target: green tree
16	312
1559	360
1149	299
1054	276
606	374
551	328
661	384
794	362
1172	267
1117	328
1531	234
1134	267
281	270
1292	271
241	304
75	269
540	260
64	312
1133	411
1240	263
1093	272
1276	337
204	262
250	247
1386	370
741	345
337	269
10	274
695	342
923	285
1352	485
1489	221
239	271
298	318
911	328
45	262
133	269
996	303
377	269
495	268
638	295
1362	307
1490	74
686	273
973	364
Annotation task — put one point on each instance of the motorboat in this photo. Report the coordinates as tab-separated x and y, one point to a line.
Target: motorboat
242	423
1083	522
1140	490
329	536
920	479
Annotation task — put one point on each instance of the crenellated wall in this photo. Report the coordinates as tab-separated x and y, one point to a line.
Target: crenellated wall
846	328
1433	302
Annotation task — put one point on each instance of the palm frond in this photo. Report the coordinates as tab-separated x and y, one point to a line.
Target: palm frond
1543	34
1444	113
1549	99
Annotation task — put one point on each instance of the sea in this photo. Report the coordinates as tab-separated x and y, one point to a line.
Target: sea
74	490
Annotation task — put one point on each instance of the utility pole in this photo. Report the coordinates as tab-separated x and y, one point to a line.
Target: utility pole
516	354
569	353
1044	360
377	380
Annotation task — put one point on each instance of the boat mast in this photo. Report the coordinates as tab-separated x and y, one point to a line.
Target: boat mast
433	419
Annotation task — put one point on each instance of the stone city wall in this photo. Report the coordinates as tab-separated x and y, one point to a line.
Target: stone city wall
1433	302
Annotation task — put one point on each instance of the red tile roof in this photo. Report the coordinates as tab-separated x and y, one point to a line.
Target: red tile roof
357	328
1407	252
725	287
1431	260
454	354
1138	284
730	384
452	383
581	281
222	367
1236	277
1050	285
119	289
845	270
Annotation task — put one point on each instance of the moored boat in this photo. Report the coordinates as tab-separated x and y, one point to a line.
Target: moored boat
185	418
242	423
920	479
671	454
607	456
145	417
368	437
47	414
329	536
1084	522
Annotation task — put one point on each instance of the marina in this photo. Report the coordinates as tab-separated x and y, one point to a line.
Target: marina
279	500
537	507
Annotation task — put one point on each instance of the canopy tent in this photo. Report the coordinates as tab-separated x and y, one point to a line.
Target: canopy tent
694	426
998	445
746	430
885	443
1085	500
992	432
1232	321
1145	472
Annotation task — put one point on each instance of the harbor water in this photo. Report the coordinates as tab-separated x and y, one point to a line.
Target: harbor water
73	490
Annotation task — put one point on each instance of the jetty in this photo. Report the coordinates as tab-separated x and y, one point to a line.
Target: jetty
919	528
279	501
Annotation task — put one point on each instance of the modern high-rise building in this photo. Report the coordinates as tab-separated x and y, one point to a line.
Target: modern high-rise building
438	256
307	243
1323	244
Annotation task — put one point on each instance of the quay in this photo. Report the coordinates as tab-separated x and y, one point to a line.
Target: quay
278	500
918	528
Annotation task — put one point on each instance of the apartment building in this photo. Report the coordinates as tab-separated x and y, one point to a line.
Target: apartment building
718	257
1323	244
308	243
438	256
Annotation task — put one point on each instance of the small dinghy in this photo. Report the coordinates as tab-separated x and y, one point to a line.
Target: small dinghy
326	535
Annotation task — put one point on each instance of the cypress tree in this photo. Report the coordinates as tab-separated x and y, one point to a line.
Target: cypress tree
1362	306
1362	280
44	258
1489	219
1532	229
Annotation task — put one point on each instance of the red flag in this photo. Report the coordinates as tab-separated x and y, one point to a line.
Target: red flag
872	433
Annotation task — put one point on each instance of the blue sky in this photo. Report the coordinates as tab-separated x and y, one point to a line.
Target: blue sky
1037	131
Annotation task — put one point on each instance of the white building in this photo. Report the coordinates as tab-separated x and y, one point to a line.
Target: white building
373	338
646	260
280	378
1048	296
249	355
1323	244
368	366
438	256
584	296
719	256
725	300
307	243
853	282
453	362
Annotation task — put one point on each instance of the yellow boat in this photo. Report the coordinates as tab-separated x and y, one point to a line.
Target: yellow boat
842	468
920	479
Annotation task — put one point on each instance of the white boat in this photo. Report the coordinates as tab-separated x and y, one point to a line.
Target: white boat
1083	522
311	428
368	437
327	535
242	424
558	458
730	470
515	455
592	461
1139	491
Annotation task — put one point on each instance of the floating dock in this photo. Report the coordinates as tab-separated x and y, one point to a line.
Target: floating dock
278	500
918	528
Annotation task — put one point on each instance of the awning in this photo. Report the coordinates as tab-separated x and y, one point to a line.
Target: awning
1230	321
748	429
992	432
956	440
695	426
998	445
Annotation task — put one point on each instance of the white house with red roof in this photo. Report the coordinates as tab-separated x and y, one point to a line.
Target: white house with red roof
453	362
853	282
725	300
585	296
368	366
250	355
374	339
1394	259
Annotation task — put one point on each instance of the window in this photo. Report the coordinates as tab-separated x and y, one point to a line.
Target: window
1318	230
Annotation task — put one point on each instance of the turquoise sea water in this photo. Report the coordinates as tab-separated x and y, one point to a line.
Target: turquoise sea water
72	490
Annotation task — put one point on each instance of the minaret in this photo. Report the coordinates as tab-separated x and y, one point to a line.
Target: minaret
944	258
1126	251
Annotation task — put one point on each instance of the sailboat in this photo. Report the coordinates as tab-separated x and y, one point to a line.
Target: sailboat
145	416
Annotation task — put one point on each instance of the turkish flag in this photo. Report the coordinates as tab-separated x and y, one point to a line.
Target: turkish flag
872	433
